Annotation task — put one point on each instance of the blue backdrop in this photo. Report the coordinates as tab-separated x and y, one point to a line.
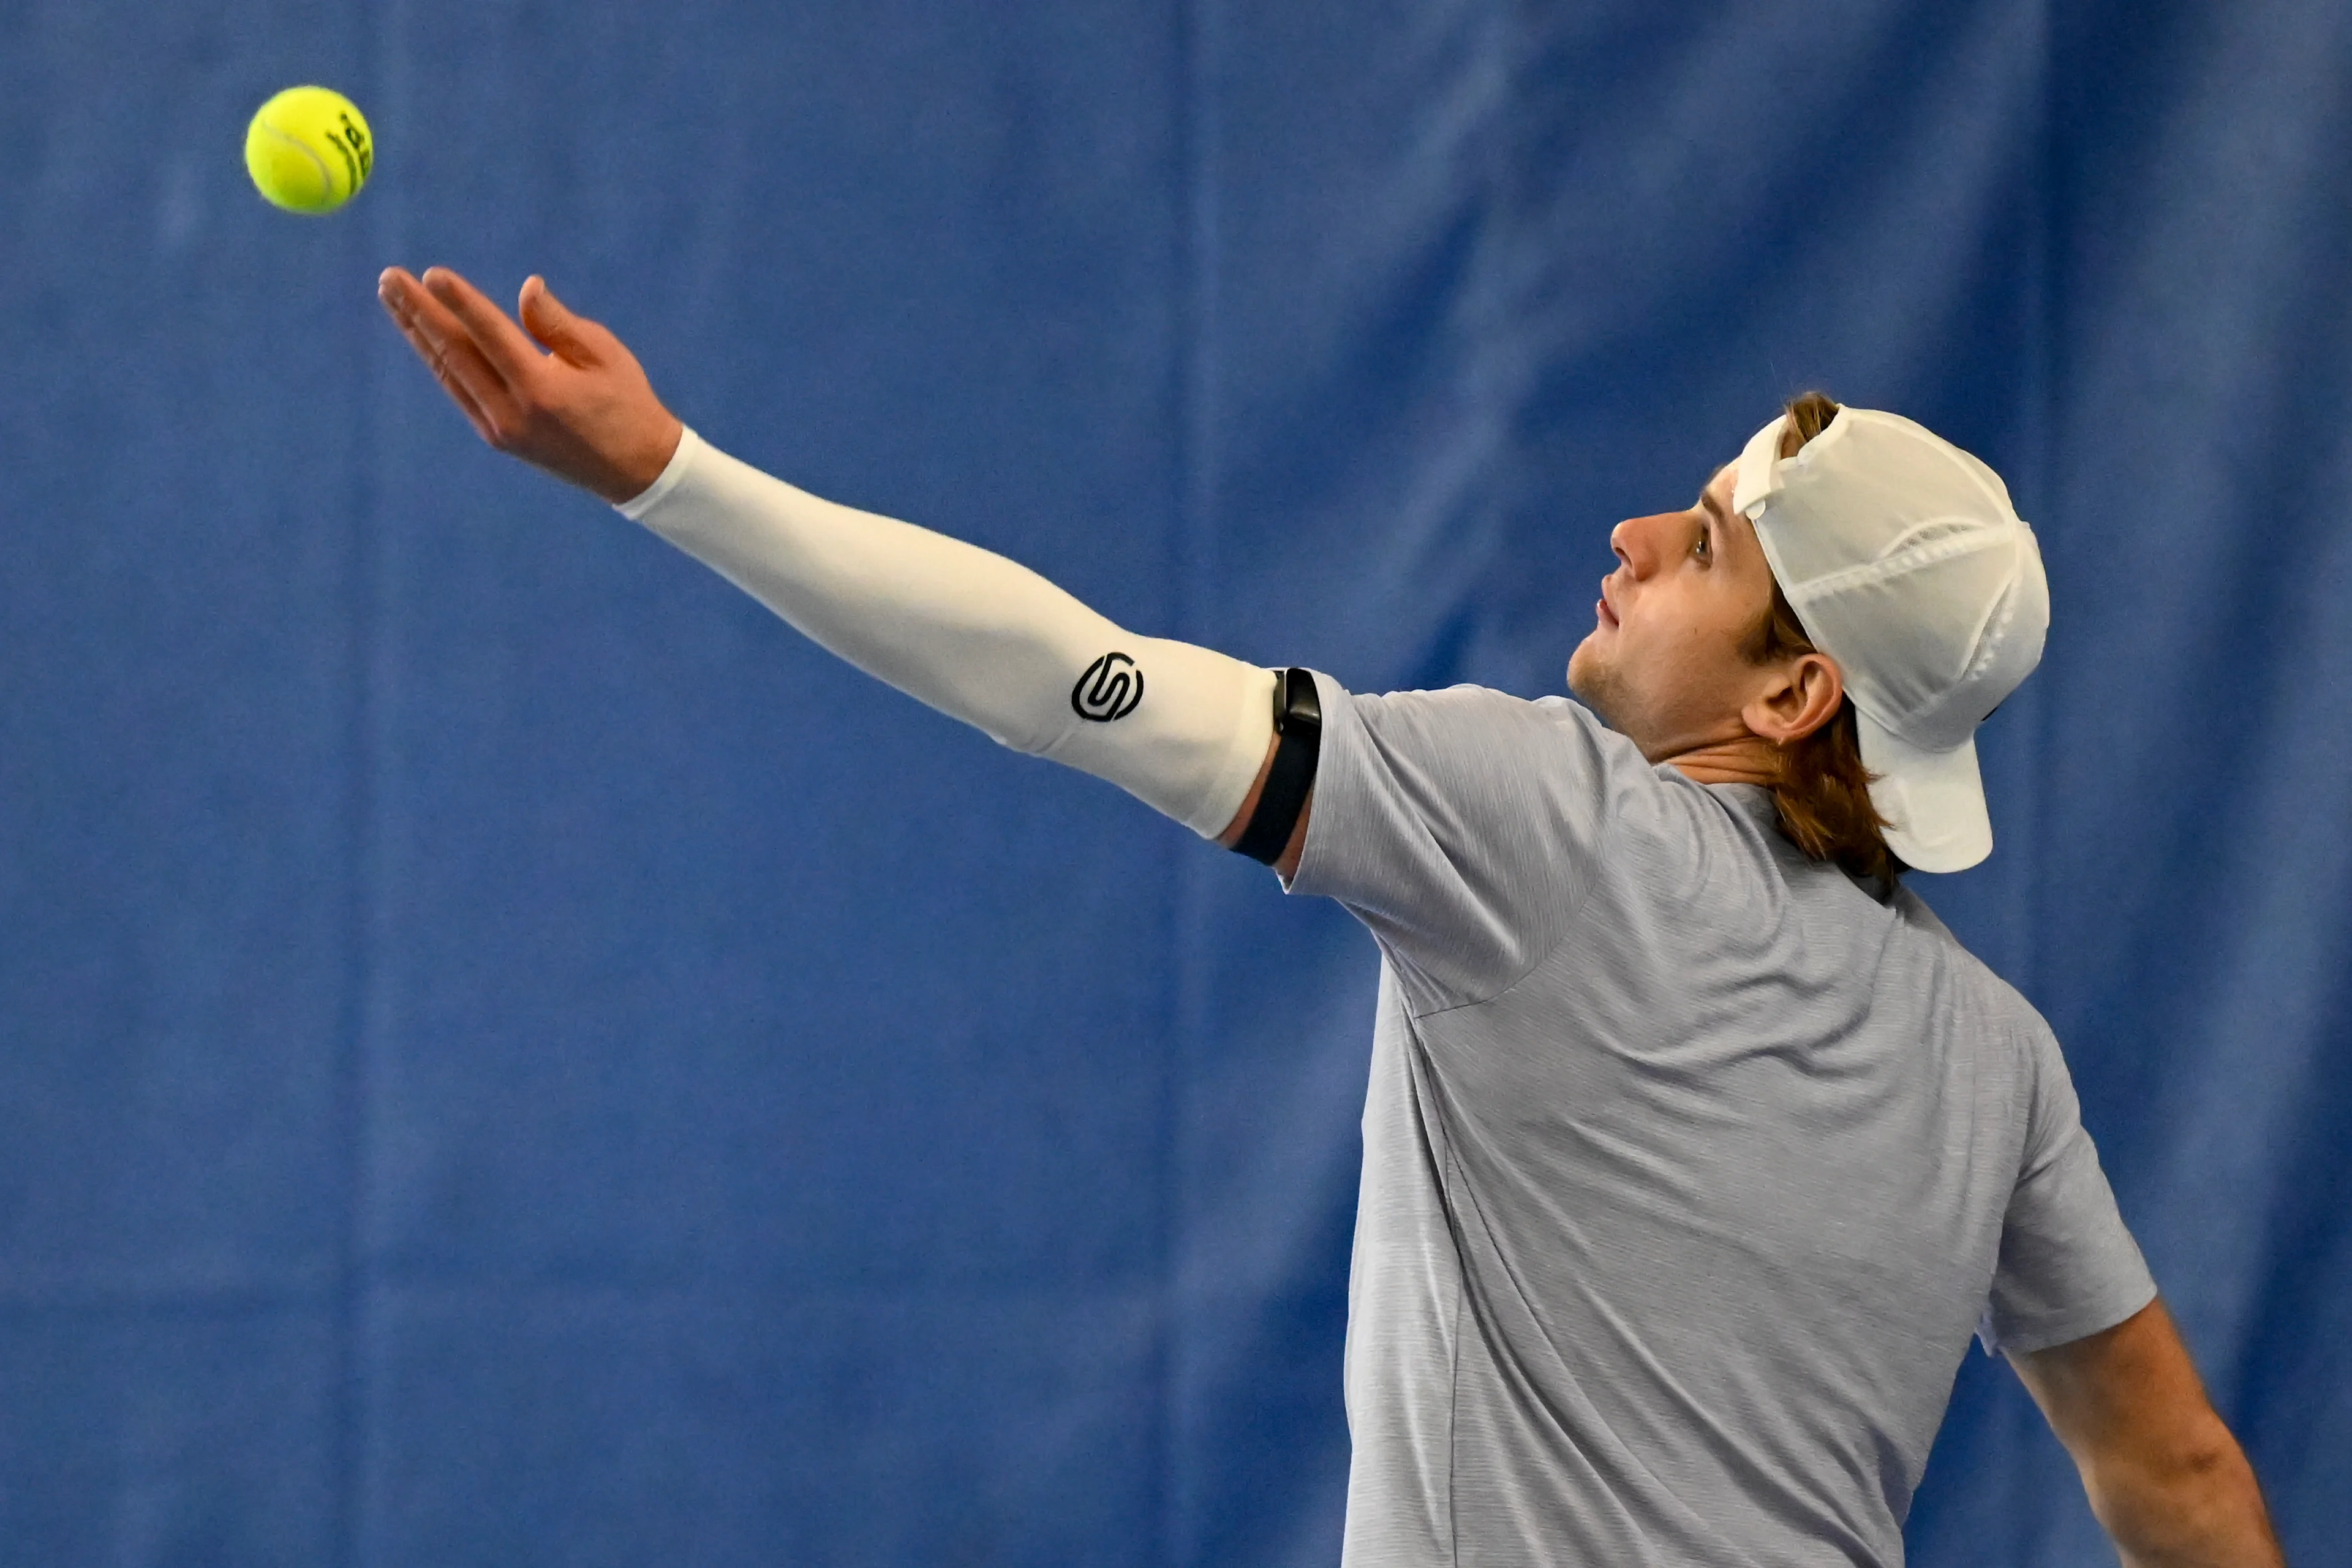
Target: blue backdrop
507	1055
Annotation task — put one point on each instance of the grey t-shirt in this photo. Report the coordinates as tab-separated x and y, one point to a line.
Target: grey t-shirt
1689	1166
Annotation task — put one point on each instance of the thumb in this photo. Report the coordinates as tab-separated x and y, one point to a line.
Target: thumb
553	323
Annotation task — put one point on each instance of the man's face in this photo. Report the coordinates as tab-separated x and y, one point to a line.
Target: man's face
1662	665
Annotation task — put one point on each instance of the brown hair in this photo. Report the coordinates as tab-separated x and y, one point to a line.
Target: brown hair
1823	794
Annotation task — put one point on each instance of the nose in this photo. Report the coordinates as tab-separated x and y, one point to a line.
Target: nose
1635	542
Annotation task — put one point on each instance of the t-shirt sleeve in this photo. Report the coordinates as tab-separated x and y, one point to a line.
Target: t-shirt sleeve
1459	825
2068	1265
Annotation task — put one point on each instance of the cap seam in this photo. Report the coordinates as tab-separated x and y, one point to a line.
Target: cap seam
1910	560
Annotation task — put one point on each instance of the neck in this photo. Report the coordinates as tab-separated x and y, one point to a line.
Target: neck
1751	759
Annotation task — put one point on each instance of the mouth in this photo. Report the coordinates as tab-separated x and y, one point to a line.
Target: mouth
1602	612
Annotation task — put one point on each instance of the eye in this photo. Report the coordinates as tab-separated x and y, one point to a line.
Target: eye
1705	548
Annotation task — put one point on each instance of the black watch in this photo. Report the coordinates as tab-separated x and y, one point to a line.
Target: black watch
1298	728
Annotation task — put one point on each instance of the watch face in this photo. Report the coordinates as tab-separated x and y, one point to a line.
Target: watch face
1295	702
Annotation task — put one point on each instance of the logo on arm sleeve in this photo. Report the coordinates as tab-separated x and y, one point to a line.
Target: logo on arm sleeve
1109	690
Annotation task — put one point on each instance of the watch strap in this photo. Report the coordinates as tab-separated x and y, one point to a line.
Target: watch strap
1299	731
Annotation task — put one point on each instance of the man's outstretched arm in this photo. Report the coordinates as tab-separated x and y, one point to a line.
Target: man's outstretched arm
1189	731
2164	1474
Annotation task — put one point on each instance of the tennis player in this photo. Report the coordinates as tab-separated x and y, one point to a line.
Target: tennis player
1695	1148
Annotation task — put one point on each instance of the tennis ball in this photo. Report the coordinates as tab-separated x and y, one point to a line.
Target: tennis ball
308	150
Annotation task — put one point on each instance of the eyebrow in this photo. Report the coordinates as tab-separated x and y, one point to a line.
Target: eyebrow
1713	507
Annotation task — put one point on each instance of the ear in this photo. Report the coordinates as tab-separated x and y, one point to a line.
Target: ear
1801	697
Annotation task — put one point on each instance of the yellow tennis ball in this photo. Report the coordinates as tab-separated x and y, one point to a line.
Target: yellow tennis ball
308	150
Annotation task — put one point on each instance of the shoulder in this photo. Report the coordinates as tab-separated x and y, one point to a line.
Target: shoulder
1921	929
1466	704
1463	826
1974	999
1467	724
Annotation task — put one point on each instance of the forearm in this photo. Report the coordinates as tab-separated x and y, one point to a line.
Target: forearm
976	636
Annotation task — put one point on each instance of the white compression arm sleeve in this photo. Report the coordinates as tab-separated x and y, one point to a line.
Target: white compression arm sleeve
976	637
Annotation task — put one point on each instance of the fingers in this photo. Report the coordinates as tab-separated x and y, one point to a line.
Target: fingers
450	352
456	390
502	344
535	308
571	337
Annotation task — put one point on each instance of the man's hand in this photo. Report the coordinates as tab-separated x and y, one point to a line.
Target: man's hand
2164	1474
581	410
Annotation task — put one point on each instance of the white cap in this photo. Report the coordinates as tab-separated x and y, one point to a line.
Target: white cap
1907	564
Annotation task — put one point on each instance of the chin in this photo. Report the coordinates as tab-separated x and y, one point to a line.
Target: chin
1591	682
1579	662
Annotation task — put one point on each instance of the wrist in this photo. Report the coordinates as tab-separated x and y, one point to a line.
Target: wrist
640	468
679	457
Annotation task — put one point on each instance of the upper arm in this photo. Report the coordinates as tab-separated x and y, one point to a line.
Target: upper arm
2067	1264
2129	1396
2162	1471
1285	866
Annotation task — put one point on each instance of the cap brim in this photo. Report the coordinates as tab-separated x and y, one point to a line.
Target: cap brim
1934	799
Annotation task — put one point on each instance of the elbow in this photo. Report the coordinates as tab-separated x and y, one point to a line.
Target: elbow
2196	1502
